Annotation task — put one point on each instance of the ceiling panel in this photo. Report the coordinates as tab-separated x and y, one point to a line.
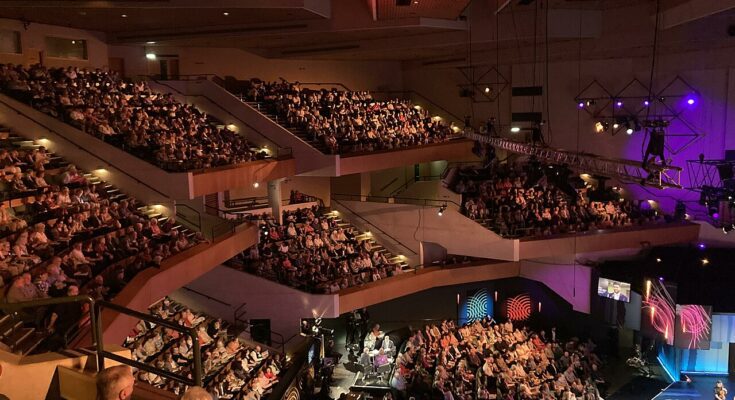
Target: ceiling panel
112	20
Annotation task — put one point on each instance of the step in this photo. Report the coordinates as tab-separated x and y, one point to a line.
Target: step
18	336
30	344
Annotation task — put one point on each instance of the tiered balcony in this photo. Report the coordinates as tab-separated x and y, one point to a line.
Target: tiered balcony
312	158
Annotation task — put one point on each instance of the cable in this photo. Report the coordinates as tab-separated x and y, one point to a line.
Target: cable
546	78
650	79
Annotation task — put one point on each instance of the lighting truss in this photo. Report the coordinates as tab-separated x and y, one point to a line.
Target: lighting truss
489	83
704	173
655	175
635	101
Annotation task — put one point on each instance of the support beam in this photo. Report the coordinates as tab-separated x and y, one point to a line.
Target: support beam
626	170
693	10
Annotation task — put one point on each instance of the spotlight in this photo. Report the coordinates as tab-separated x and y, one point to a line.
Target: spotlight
150	56
690	101
600	127
487	89
616	125
225	13
701	246
590	103
515	129
441	210
629	131
658	259
580	105
705	261
256	185
619	103
646	103
124	15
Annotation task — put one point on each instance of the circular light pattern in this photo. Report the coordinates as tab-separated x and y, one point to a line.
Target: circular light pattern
477	306
518	308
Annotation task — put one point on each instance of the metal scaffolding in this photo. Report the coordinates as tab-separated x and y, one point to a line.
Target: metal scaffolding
654	175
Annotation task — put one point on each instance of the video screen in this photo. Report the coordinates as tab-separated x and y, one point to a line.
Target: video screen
612	289
658	310
693	327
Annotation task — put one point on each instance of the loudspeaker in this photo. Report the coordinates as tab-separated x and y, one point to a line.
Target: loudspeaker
260	330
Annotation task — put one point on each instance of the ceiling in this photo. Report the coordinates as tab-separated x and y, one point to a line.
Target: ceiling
443	9
111	20
426	31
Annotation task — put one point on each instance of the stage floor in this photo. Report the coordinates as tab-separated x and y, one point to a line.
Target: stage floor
702	387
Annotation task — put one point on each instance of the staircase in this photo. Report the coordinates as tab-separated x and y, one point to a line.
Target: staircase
396	259
18	338
299	132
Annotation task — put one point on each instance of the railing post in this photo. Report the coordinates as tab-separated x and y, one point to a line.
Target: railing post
197	357
95	315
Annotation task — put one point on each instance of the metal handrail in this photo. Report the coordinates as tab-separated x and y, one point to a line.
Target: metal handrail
107	162
281	151
371	224
197	373
428	100
208	297
320	84
198	224
396	200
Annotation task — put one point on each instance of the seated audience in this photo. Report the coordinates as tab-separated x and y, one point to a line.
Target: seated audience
345	122
506	200
485	360
153	126
231	368
310	251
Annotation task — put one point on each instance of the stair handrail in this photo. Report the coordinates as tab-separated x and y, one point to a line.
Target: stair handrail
198	215
371	224
333	84
282	152
197	373
422	201
206	296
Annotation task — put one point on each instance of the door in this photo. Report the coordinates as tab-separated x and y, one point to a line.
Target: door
173	68
164	69
117	64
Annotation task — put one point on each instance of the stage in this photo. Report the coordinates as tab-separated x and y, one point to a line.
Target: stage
702	387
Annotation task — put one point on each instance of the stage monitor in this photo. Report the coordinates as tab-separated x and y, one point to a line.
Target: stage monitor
612	289
693	327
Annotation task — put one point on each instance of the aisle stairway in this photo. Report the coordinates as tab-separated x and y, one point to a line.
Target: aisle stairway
299	132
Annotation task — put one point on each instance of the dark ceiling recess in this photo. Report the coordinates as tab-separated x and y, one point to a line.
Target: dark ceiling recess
403	2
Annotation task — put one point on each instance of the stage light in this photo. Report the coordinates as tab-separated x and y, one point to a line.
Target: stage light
601	126
705	261
515	129
487	89
124	15
660	278
150	56
616	125
716	215
256	185
225	13
590	103
691	101
441	210
619	103
580	105
646	103
658	259
701	246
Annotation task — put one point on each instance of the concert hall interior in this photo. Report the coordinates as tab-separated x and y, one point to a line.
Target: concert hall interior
367	199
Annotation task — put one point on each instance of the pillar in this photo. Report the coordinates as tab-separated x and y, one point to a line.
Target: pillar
274	199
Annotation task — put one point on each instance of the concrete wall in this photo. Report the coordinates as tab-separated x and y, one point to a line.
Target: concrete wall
33	45
412	224
265	299
357	75
570	281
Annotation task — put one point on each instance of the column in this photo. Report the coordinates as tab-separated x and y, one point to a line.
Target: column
274	199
